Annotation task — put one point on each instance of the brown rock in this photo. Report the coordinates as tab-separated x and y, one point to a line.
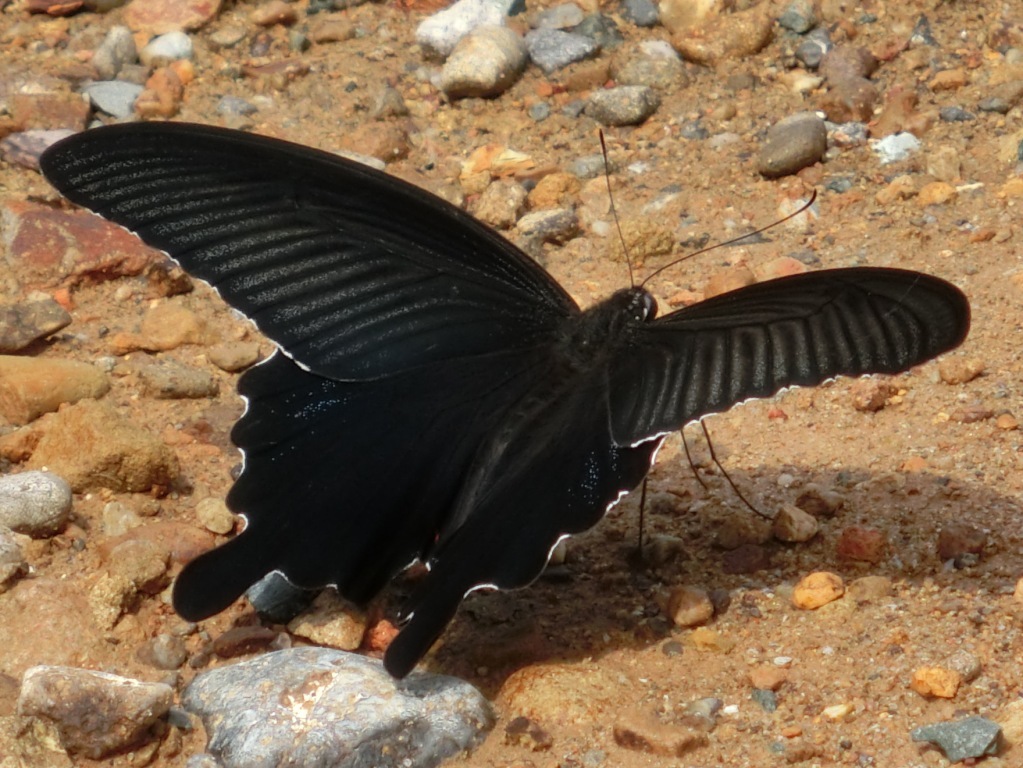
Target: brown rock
239	641
331	30
49	111
850	100
936	193
1011	720
936	682
783	266
93	713
92	446
642	731
162	95
555	190
959	370
21	324
384	141
1007	422
182	542
793	525
644	238
860	543
726	37
900	188
523	732
868	589
900	113
819	502
677	15
31	386
729	280
971	414
215	516
747	558
166	326
817	589
768	677
847	62
234	356
689	606
274	12
552	694
949	80
158	16
871	394
706	639
49	247
330	621
958	539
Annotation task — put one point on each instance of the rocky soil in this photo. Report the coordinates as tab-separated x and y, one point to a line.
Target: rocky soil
900	498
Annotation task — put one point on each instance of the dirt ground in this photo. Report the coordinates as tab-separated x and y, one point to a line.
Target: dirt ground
587	652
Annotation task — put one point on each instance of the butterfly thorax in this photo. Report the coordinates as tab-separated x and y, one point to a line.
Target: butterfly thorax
587	338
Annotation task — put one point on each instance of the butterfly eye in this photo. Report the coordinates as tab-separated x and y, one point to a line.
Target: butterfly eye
648	307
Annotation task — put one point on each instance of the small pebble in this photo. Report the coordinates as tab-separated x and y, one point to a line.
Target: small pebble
37	504
792	144
895	148
871	394
652	63
555	225
486	62
561	16
792	524
819	502
957	539
936	682
817	589
166	48
114	97
869	589
234	356
971	738
214	515
115	52
25	322
602	30
119	518
12	560
769	678
274	12
439	34
330	621
965	663
642	13
960	370
767	699
689	606
165	651
811	49
798	16
553	49
167	379
837	712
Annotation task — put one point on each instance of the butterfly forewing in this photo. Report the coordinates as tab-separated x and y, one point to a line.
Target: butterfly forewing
355	274
792	331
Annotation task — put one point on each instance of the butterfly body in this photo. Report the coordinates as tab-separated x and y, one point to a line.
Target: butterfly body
436	395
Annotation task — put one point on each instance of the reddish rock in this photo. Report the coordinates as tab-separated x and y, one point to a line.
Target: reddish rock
166	326
50	111
239	641
163	94
182	542
860	543
48	246
274	12
871	394
159	16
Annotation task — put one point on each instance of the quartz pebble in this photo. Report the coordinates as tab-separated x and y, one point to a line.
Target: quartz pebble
166	48
115	52
440	33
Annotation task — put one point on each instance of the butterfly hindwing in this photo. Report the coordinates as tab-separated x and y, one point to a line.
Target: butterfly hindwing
792	331
352	272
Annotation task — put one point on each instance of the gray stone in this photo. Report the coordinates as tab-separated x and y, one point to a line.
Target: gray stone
562	16
812	48
553	225
21	324
12	560
486	62
955	115
233	105
553	49
792	144
440	33
114	97
898	146
93	713
165	651
167	379
767	699
623	105
799	16
653	63
37	504
116	50
602	30
587	166
642	13
164	49
316	706
961	739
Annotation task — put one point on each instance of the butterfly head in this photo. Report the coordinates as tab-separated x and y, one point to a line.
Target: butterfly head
639	304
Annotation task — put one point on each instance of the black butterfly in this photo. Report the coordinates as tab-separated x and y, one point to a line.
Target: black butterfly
437	395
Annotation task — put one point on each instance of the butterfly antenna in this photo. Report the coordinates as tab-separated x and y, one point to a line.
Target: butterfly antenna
714	458
614	211
689	458
732	241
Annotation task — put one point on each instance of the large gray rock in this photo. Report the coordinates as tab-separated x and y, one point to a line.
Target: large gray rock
37	504
321	707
